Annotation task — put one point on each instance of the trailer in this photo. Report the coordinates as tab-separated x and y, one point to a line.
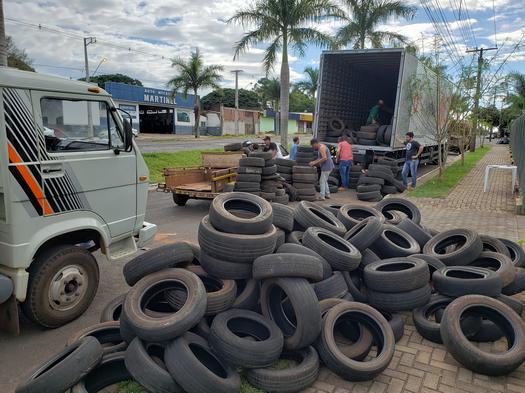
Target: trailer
206	182
350	84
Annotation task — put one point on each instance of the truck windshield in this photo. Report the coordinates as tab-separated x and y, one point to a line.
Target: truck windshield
76	125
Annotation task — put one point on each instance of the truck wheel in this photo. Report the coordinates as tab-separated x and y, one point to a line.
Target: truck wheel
63	281
180	200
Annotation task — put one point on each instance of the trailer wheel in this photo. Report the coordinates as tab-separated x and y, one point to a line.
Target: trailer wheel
180	200
63	281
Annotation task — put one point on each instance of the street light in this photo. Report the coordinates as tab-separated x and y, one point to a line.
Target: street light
104	60
236	72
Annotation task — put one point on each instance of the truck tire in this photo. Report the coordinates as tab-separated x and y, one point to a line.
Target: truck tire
63	281
387	138
180	199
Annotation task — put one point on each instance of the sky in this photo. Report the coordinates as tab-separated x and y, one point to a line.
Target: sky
158	30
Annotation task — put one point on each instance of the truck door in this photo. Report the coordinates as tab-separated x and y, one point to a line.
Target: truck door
83	165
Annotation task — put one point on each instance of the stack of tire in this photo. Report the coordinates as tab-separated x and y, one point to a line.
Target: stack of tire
304	181
355	174
367	135
384	135
378	181
196	314
284	169
305	155
336	129
249	175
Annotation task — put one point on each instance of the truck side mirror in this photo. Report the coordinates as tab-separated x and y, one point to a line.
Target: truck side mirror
128	136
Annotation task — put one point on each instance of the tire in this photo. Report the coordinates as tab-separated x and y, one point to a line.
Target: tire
51	274
415	231
388	135
110	371
281	238
367	142
220	293
283	217
430	329
381	174
308	214
341	254
180	199
394	242
356	287
477	359
499	263
65	369
456	281
265	155
402	205
245	339
333	287
515	304
517	285
269	170
396	275
433	264
306	325
291	248
333	208
400	301
236	146
281	200
283	162
305	177
369	128
234	247
145	362
369	196
113	309
249	170
368	257
370	180
240	213
106	333
396	322
224	269
350	215
247	294
170	255
241	186
369	188
284	170
336	125
288	265
365	233
469	247
293	379
251	162
392	217
494	245
248	177
516	252
371	135
174	324
343	366
295	237
189	356
381	135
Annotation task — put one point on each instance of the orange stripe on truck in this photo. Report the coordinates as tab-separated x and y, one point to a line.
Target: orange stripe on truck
29	179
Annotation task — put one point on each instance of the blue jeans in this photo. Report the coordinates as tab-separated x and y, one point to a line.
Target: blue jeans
410	166
344	171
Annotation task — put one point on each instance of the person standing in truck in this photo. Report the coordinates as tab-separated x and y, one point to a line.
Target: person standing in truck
413	152
293	150
344	157
373	115
324	161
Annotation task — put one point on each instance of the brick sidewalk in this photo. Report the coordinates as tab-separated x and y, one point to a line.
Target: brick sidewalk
421	366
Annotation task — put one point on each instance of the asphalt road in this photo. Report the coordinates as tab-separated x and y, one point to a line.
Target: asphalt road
169	146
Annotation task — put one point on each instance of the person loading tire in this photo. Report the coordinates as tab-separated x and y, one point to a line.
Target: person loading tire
375	112
413	152
324	161
272	146
344	157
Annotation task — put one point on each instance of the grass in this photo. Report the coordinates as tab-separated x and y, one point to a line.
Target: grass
156	162
452	175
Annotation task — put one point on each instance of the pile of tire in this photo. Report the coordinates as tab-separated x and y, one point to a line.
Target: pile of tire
249	175
384	135
378	182
304	181
305	155
196	315
367	135
284	168
355	174
336	129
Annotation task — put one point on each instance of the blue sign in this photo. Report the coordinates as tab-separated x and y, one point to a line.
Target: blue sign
147	95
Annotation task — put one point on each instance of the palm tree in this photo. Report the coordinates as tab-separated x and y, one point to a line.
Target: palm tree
309	85
193	76
269	90
364	18
286	23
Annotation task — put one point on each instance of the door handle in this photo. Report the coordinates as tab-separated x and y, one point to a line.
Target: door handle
47	170
52	170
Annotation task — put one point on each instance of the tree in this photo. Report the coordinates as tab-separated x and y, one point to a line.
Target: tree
269	91
192	76
515	100
309	85
247	99
119	78
286	23
365	17
17	58
301	102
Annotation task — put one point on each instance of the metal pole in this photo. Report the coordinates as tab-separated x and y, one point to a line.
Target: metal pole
3	42
87	41
236	72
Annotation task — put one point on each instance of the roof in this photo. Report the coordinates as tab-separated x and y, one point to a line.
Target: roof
11	77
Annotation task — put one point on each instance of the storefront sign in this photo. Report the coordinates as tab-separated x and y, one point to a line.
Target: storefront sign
156	96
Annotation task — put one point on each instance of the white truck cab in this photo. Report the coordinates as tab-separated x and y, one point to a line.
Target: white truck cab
72	181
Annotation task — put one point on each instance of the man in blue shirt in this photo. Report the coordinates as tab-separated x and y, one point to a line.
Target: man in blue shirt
293	150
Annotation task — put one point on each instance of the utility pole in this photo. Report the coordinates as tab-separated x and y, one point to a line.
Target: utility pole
236	72
477	95
87	41
3	42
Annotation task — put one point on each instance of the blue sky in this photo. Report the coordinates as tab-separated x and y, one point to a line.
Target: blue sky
174	28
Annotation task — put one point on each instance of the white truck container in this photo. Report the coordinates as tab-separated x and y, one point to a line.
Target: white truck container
72	181
352	81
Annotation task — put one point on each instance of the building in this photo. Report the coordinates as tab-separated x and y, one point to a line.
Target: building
249	121
153	111
297	122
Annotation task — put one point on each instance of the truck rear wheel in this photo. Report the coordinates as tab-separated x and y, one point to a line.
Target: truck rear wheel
180	200
63	281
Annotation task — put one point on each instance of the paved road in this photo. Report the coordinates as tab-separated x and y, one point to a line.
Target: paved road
149	146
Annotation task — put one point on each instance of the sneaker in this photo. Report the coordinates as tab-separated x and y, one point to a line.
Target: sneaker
321	199
327	197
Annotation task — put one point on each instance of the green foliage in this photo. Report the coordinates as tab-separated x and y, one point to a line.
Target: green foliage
120	78
16	57
490	115
452	175
309	85
268	90
247	99
129	387
515	101
366	16
300	102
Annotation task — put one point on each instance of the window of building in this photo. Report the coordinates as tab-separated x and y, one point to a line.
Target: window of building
71	125
183	117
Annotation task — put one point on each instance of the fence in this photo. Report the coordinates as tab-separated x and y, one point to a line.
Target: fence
517	143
